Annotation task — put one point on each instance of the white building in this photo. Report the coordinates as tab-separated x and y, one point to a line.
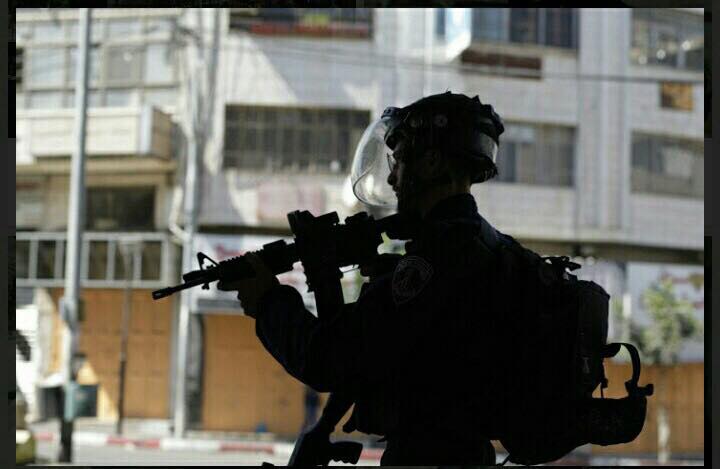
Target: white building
602	154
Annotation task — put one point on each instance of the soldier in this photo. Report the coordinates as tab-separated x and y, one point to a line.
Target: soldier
411	349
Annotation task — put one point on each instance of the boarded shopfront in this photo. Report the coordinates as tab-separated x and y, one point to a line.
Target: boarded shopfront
148	361
244	388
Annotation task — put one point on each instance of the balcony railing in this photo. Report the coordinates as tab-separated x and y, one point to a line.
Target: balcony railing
40	259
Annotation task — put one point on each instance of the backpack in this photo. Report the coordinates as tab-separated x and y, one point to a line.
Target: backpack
554	341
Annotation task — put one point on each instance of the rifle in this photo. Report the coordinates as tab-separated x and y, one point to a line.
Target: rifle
323	246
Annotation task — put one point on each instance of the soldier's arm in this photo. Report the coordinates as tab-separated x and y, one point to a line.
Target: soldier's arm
321	354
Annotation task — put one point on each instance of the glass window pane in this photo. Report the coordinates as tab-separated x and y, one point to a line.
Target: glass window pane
95	98
121	209
506	162
119	98
440	22
269	141
151	260
360	119
94	72
97	267
123	64
122	29
158	64
161	97
678	160
22	259
48	31
523	25
487	23
46	259
641	153
558	27
124	261
71	30
665	50
46	100
47	67
23	31
97	30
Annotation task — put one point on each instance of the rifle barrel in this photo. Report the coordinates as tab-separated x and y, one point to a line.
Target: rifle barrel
162	293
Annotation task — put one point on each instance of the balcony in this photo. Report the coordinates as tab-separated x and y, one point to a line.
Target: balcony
141	131
40	259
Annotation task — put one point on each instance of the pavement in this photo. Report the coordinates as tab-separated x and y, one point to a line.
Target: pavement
156	435
152	440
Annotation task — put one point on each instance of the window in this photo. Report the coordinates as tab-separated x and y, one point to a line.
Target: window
315	140
559	27
489	23
158	63
119	97
98	260
22	259
94	70
668	38
49	31
42	260
123	65
45	99
664	165
676	96
127	209
46	259
47	67
440	18
151	260
120	57
534	154
323	22
556	27
524	25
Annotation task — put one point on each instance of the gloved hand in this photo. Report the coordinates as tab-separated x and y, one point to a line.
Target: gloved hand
251	290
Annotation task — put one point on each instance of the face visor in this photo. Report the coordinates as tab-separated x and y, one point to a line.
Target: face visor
370	169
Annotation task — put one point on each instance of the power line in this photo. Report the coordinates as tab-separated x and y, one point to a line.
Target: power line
390	61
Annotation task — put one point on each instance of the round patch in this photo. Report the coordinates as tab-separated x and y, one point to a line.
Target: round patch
410	277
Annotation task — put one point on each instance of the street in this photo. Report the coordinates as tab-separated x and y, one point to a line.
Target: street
132	456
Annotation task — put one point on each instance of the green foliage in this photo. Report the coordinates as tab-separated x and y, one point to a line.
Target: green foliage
673	324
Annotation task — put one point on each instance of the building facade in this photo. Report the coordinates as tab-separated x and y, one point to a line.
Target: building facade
602	157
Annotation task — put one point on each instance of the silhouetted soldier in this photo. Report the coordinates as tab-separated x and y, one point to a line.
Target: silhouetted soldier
415	348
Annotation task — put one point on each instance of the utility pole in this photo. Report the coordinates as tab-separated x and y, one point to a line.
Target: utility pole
70	304
197	69
125	247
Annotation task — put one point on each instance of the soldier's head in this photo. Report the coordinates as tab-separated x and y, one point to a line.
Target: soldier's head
413	157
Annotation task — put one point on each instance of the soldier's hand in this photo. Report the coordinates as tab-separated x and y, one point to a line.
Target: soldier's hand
251	290
380	264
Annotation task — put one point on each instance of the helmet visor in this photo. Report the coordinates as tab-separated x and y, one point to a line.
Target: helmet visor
370	169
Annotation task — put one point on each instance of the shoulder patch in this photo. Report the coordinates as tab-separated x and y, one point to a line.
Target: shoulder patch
411	275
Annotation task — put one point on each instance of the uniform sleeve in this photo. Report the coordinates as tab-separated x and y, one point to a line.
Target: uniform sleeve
321	354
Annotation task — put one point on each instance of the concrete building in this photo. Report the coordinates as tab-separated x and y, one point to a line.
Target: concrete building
602	155
133	149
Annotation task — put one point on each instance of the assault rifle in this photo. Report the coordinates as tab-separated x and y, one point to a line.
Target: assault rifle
323	246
